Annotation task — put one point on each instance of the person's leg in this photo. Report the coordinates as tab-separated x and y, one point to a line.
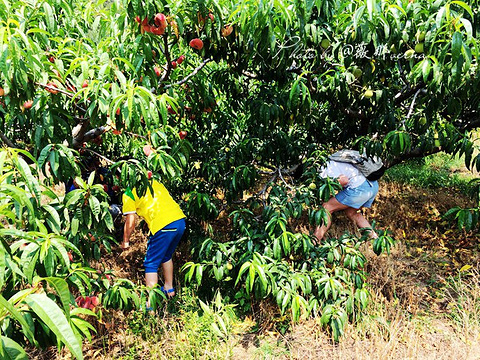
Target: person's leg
156	250
357	217
151	279
331	206
167	268
178	228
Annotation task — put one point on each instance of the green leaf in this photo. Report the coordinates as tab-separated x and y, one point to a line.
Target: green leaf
457	43
465	6
11	350
18	316
49	312
61	287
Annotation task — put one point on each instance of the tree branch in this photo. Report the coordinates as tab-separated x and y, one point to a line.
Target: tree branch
48	87
100	156
281	177
412	105
415	153
403	95
193	73
6	140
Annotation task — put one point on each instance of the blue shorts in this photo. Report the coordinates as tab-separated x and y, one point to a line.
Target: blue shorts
361	196
162	245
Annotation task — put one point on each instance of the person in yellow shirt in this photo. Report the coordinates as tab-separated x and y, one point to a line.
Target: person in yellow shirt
166	223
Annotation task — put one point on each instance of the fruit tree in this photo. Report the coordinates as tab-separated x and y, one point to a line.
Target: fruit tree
226	102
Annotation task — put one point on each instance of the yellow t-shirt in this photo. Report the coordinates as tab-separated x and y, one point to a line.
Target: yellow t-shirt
158	210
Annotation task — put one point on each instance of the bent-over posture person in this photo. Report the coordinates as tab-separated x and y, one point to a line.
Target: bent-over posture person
358	192
166	223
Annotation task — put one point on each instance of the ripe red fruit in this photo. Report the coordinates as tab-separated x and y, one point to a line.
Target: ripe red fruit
174	64
105	187
92	238
116	132
94	300
161	21
196	44
51	59
211	16
227	30
182	134
180	59
70	256
149	174
2	92
80	300
157	70
28	104
137	19
171	110
85	84
156	30
147	150
87	303
49	87
117	112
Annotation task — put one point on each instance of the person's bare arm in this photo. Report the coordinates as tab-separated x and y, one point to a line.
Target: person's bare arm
343	180
127	230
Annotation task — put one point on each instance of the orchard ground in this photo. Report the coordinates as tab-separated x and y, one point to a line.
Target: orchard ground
425	299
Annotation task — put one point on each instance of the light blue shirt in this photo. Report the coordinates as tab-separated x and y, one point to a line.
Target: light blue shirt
333	169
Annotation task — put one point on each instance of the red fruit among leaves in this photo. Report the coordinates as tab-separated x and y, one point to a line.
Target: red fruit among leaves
196	44
171	110
85	84
87	302
157	70
137	19
70	256
116	132
2	92
182	134
117	112
105	187
147	150
161	21
157	30
227	30
94	300
174	64
80	300
51	59
149	174
28	104
180	59
211	16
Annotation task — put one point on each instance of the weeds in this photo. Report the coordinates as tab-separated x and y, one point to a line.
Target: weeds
435	171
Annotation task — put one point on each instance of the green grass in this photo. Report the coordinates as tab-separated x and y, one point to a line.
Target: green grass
435	171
